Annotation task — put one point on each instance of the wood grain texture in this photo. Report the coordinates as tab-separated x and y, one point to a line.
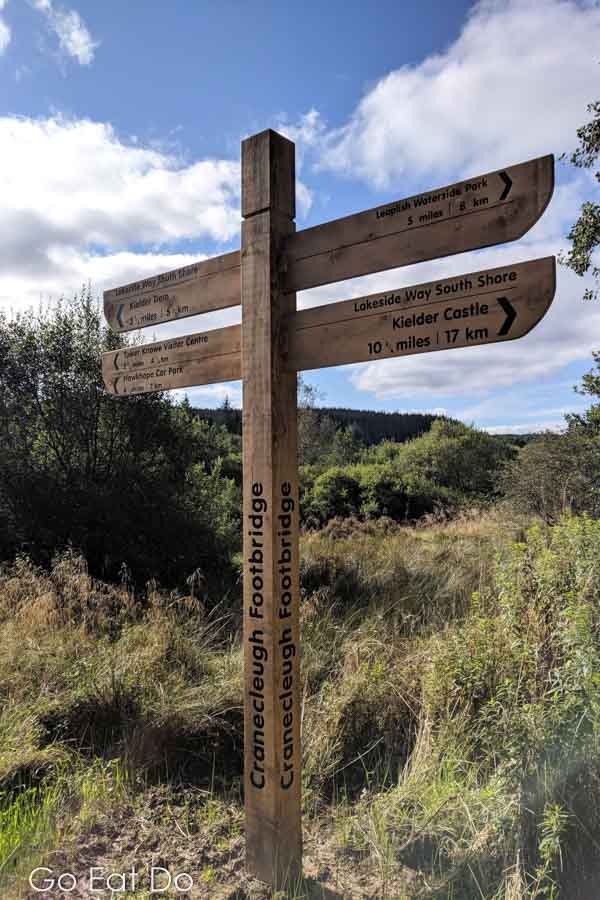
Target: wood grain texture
201	345
201	287
167	377
484	307
272	771
477	212
268	175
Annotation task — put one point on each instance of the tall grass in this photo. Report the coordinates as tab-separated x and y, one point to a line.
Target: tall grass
32	819
480	730
451	704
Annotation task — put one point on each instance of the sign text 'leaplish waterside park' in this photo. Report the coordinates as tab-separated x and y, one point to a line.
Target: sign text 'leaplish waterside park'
274	342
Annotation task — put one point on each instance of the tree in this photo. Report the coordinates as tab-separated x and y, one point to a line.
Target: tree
585	233
589	421
557	473
554	474
456	457
106	475
316	430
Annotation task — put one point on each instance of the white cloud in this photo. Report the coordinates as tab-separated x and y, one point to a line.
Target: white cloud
306	135
528	428
5	34
304	198
78	202
515	84
212	394
74	37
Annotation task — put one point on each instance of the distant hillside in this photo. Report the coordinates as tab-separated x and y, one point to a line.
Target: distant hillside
372	427
369	426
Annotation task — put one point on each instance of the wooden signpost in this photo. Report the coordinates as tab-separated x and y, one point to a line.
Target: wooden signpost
274	343
479	308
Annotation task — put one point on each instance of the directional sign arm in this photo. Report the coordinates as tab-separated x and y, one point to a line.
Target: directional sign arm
202	358
201	287
465	311
477	212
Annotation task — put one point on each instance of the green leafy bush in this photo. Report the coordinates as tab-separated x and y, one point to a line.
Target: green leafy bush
128	481
335	493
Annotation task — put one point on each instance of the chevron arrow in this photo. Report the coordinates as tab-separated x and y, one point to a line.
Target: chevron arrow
115	364
120	315
507	184
511	315
115	382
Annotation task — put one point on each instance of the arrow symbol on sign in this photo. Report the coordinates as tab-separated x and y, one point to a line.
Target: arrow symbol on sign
115	382
511	315
507	185
116	365
120	315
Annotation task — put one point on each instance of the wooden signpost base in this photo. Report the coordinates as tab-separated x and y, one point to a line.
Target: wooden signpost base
270	516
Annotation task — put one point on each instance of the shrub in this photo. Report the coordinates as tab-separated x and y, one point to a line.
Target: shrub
456	457
335	493
109	476
554	474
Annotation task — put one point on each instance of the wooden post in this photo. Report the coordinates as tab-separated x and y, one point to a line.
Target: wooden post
271	580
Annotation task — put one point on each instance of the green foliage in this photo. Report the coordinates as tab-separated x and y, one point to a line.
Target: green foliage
521	677
217	498
554	474
585	233
558	473
382	493
370	427
451	706
438	472
106	475
456	457
588	423
335	493
322	441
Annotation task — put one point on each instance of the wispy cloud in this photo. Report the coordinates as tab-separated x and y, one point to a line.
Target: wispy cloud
306	135
73	35
4	30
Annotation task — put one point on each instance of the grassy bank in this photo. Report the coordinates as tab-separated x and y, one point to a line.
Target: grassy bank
451	713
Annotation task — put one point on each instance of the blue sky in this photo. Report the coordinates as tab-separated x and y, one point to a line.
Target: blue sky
120	129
